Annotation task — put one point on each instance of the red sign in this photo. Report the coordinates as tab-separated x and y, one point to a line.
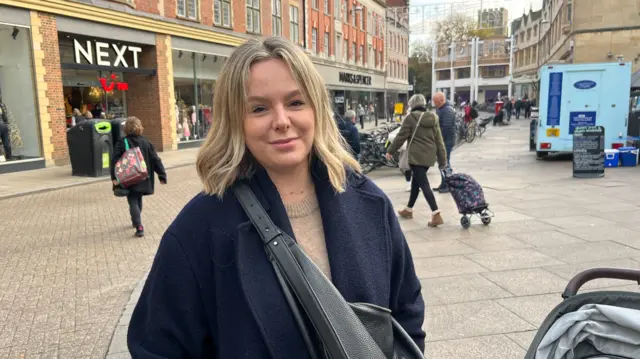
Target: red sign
113	84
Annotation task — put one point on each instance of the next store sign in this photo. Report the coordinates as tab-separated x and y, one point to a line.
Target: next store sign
98	53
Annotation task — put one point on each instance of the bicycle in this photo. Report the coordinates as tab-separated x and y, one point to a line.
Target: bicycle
464	132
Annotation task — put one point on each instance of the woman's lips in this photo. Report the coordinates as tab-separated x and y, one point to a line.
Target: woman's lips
283	144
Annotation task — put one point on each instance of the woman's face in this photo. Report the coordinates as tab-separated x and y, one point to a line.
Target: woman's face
279	124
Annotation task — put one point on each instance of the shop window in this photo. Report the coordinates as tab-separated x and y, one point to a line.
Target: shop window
314	40
253	16
194	78
222	13
276	17
326	44
188	9
294	24
17	93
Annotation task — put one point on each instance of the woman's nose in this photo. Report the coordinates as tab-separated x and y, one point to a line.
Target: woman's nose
281	118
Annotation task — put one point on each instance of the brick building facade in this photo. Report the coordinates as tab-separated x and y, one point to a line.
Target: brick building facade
570	31
162	60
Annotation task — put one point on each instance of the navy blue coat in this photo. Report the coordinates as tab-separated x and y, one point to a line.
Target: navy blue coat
447	116
212	293
350	133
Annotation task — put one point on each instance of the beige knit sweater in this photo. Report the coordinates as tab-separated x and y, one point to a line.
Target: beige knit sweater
306	222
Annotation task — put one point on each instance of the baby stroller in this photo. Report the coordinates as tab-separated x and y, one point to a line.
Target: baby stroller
596	325
469	197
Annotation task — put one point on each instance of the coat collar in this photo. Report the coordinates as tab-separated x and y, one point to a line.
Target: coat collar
258	280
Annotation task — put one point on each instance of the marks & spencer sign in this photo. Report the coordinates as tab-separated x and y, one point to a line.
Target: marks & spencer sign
354	79
106	54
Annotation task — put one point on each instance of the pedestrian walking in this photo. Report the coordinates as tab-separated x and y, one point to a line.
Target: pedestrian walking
349	131
133	131
212	291
361	116
421	131
447	120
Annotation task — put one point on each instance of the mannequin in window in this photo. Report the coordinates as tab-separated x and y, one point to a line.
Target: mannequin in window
4	129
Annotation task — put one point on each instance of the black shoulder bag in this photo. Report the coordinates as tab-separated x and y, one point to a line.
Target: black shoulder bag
343	330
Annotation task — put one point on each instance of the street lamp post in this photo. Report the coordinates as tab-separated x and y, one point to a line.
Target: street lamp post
511	47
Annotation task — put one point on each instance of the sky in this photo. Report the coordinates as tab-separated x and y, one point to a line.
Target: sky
432	10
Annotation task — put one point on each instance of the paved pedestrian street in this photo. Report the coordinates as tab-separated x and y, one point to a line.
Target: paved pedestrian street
69	262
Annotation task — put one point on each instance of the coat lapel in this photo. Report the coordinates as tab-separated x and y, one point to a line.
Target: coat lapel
258	280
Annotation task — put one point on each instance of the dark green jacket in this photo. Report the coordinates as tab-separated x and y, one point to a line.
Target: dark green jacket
427	145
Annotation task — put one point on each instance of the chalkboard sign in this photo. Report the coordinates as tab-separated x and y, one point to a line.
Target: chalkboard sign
588	152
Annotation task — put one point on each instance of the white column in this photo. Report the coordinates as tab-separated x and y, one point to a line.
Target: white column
473	70
434	54
477	66
453	78
510	90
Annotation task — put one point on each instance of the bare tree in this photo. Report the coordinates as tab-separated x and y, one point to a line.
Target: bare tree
459	27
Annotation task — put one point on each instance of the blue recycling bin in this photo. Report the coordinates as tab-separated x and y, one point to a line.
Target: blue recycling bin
628	156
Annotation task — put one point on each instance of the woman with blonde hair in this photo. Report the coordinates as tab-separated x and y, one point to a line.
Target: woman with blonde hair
421	131
133	132
212	291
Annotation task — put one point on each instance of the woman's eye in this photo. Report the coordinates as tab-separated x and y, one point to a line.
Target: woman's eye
297	103
257	109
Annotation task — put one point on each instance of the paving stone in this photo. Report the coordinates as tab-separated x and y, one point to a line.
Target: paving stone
590	252
446	266
486	347
523	339
546	238
567	272
602	233
495	243
534	309
440	248
577	222
530	281
513	259
455	321
462	288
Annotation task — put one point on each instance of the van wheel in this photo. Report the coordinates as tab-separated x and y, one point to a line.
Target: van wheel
541	154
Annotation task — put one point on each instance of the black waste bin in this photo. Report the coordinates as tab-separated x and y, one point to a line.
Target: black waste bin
90	148
117	129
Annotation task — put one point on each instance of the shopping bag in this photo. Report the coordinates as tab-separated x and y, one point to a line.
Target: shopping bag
131	168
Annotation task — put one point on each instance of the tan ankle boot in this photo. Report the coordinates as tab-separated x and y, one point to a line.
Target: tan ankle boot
436	219
406	213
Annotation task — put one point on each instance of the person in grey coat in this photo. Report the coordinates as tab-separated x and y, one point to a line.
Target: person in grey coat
447	116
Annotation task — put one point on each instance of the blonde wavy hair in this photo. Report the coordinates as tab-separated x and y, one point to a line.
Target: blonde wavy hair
223	158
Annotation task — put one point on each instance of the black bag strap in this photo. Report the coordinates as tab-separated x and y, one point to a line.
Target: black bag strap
284	261
342	334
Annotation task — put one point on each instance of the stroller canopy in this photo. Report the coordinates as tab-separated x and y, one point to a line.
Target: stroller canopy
608	329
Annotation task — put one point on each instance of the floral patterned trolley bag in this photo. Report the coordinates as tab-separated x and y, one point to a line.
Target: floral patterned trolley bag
131	168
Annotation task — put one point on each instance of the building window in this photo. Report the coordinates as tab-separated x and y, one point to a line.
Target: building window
494	71
362	53
294	23
362	20
314	40
370	59
222	13
326	7
336	8
345	55
337	50
253	16
326	44
276	17
464	73
188	9
353	52
314	4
